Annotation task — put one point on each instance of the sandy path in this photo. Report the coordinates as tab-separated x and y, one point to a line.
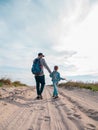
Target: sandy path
73	110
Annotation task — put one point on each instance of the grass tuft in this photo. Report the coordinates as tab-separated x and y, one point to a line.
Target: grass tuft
70	84
4	81
18	83
8	82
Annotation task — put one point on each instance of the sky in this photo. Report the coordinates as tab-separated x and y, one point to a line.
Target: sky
65	31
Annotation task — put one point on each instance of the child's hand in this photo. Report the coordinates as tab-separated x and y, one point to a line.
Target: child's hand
50	75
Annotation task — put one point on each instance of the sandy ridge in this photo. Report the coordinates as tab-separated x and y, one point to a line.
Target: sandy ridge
73	110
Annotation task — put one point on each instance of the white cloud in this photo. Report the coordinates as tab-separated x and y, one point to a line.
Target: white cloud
65	31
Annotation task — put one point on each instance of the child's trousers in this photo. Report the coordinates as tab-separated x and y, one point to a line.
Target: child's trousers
55	92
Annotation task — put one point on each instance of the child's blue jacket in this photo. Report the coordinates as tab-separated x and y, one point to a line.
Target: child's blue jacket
56	76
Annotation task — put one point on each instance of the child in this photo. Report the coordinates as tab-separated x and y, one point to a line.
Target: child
55	75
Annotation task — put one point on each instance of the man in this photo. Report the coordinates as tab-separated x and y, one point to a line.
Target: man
40	78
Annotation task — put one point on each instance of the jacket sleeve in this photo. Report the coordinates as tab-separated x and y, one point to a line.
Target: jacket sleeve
51	75
59	77
45	65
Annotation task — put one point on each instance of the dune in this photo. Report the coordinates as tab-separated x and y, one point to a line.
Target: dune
75	109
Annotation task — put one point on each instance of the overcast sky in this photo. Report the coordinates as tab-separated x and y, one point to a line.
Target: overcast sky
66	31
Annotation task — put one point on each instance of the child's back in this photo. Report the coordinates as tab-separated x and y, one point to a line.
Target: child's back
55	75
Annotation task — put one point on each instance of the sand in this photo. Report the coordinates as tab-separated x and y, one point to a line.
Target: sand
75	109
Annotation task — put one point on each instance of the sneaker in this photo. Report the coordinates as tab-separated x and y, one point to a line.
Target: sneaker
38	97
41	97
56	97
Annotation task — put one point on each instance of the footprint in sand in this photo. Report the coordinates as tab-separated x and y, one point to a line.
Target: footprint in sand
4	104
61	105
77	116
93	114
42	108
90	127
40	118
31	110
47	118
73	116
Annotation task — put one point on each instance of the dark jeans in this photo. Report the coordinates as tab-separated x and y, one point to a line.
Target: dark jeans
40	83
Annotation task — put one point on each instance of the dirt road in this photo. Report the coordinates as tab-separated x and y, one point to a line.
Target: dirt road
75	109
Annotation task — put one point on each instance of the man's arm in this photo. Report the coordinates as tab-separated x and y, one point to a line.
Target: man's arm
45	65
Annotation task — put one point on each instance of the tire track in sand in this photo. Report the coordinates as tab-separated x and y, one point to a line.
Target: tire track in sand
65	113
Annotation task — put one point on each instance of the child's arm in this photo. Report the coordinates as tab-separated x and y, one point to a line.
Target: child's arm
60	78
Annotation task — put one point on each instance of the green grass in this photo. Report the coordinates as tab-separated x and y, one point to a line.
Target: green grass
1	84
8	82
18	83
91	86
4	81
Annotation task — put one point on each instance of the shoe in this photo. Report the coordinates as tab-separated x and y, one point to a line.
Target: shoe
41	97
38	97
56	97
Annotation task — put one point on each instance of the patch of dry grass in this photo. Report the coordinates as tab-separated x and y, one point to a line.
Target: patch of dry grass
91	86
8	82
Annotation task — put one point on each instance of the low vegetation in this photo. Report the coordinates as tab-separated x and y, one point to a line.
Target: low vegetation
70	84
91	86
8	82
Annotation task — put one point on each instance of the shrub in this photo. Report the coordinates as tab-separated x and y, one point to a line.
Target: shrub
92	86
1	84
5	81
18	83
